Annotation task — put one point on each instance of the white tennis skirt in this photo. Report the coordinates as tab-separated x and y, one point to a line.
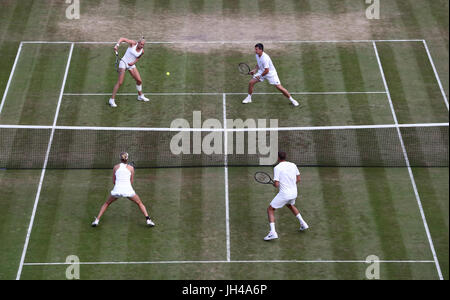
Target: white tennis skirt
125	192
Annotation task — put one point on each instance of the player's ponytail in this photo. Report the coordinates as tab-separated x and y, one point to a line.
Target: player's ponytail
124	157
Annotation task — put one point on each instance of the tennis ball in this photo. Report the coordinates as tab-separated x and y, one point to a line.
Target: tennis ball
167	73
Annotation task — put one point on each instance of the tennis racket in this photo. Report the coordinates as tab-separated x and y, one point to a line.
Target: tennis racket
263	177
117	61
244	69
133	164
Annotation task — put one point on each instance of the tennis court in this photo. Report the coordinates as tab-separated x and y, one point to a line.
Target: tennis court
60	140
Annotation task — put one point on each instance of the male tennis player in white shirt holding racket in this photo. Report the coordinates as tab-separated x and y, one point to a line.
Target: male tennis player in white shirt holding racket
285	176
265	70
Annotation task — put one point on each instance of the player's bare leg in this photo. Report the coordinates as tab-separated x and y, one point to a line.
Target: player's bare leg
116	87
303	225
286	93
271	215
137	77
251	85
105	206
139	203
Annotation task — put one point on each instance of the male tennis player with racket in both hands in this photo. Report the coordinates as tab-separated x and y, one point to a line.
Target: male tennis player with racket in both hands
265	70
285	176
123	176
128	62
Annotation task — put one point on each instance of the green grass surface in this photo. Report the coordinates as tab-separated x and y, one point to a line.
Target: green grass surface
353	212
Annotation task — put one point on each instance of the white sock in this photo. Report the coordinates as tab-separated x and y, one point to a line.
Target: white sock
250	96
139	88
272	227
292	99
299	217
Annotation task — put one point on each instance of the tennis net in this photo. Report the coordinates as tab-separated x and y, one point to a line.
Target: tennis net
424	145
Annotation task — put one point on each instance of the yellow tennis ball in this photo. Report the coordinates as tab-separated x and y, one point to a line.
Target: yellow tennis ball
167	73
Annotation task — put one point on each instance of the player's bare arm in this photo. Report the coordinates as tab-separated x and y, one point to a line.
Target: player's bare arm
132	173
266	70
114	173
253	72
130	43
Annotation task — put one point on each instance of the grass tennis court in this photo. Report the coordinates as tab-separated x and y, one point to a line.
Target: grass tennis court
211	220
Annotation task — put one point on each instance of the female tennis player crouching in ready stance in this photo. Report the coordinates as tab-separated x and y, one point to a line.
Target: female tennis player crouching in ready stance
128	62
285	176
123	175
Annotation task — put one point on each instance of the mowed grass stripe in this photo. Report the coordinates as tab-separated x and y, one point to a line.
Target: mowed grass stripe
341	236
188	219
218	271
164	207
20	10
381	203
18	190
191	213
439	11
352	72
35	88
432	184
412	84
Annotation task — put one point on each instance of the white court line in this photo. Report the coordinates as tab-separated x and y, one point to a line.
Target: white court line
217	94
38	193
411	176
231	42
344	127
436	73
225	153
10	77
229	261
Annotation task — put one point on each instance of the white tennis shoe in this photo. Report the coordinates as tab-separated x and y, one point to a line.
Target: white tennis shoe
95	223
142	98
150	223
112	103
247	100
271	236
304	226
295	103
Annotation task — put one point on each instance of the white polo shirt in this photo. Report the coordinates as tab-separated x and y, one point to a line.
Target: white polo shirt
286	174
265	62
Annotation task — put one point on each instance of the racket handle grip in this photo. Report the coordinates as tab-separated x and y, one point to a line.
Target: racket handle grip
117	53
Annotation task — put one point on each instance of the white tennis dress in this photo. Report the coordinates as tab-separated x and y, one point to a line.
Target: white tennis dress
130	56
123	187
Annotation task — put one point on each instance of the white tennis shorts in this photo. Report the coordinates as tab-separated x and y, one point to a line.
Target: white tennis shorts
123	65
273	79
281	200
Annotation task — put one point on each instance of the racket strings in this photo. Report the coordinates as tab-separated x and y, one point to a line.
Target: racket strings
263	178
244	68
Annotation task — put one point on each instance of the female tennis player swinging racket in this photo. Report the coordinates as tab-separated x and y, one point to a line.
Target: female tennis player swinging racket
128	62
123	175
